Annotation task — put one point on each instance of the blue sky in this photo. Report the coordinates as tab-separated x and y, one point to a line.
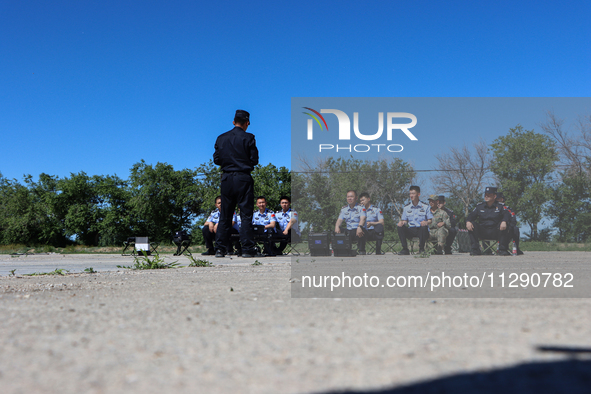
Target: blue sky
97	86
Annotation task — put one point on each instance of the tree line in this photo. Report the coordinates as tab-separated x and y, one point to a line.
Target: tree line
543	176
103	210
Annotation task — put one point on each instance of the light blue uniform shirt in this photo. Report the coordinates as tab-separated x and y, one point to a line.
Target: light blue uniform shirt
263	218
415	214
374	214
214	216
283	219
237	221
352	216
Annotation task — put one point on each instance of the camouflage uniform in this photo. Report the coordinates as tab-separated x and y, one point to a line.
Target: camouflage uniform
439	233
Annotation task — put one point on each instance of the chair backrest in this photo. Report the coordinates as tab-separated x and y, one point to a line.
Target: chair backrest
142	243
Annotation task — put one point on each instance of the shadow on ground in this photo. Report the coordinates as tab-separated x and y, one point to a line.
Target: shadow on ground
569	376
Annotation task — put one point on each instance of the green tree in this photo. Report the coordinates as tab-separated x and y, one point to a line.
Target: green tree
94	208
18	219
48	209
163	200
523	162
319	191
571	203
271	182
570	208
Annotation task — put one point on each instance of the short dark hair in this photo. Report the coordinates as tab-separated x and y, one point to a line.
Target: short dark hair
415	188
364	194
217	198
285	198
349	191
261	197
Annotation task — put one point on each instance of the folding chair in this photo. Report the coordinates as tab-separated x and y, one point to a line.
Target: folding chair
182	241
291	247
389	245
429	248
262	239
140	244
490	246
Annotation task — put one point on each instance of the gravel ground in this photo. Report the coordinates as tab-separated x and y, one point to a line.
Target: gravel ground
234	328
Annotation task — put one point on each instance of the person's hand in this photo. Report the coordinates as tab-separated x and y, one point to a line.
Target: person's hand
424	223
285	232
440	224
337	230
401	224
503	226
215	227
360	232
211	227
469	226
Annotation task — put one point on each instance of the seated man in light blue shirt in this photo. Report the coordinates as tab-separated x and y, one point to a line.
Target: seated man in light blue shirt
414	221
354	217
374	225
265	217
287	219
210	227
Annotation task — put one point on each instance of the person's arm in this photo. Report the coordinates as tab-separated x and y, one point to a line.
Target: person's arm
446	221
360	226
289	226
254	153
216	154
337	226
428	218
380	221
471	217
452	218
272	222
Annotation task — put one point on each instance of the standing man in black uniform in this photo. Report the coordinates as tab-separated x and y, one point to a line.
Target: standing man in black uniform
453	231
492	223
237	154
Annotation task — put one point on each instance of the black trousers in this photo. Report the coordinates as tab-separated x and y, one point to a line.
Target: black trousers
514	235
353	238
481	232
375	234
237	189
451	236
209	238
409	232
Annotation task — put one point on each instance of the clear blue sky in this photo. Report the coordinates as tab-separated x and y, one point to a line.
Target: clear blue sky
96	86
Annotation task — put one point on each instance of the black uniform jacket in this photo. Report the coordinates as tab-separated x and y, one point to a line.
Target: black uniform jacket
489	217
452	217
513	222
236	151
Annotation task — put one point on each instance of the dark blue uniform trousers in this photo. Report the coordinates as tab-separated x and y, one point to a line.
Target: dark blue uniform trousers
408	232
237	189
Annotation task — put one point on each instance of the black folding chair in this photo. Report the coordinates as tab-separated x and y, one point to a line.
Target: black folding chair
182	241
139	244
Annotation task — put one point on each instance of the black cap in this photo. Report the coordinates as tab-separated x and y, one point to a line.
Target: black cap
490	189
441	198
500	195
242	115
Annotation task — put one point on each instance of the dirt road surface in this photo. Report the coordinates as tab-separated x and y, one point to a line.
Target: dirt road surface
234	328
